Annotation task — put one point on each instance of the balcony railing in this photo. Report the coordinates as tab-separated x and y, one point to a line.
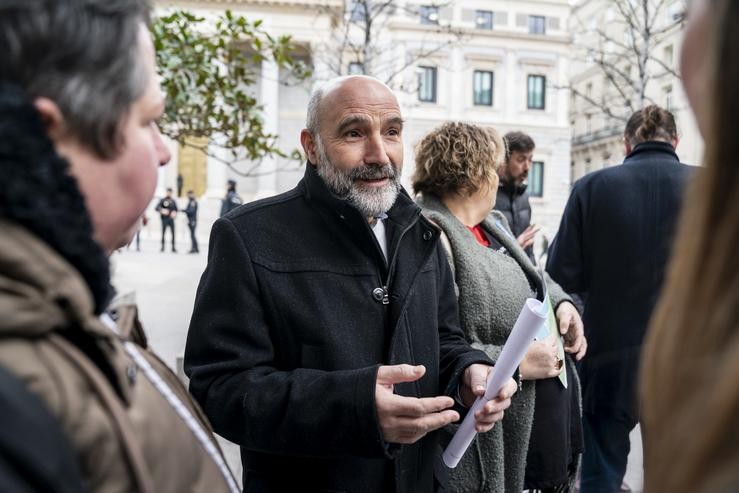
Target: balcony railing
603	133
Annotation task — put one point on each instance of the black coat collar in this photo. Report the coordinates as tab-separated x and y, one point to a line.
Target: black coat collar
647	150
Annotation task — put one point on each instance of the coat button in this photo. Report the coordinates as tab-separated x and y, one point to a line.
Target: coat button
378	294
131	371
427	235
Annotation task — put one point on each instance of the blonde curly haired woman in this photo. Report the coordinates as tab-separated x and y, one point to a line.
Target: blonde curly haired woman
537	445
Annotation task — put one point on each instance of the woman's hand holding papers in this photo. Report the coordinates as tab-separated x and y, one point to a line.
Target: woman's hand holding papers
473	386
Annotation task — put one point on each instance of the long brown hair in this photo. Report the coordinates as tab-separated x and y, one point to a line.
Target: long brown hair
690	366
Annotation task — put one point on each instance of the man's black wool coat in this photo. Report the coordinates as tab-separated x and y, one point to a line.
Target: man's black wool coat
613	245
290	326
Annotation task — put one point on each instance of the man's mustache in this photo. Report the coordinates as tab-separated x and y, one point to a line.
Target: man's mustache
365	172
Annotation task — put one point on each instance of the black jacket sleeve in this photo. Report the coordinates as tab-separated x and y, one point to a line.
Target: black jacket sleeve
565	262
230	360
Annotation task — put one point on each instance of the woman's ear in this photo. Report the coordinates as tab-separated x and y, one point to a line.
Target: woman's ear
52	117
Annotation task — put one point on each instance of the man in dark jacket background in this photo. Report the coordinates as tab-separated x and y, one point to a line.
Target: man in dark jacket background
325	338
513	199
191	211
232	199
612	246
167	209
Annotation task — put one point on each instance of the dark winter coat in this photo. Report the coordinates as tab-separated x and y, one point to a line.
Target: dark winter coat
513	202
34	453
290	325
191	211
613	244
230	202
166	207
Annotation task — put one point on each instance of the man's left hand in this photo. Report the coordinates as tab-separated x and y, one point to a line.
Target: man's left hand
571	328
473	386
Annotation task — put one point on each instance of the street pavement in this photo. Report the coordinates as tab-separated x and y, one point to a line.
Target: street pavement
164	286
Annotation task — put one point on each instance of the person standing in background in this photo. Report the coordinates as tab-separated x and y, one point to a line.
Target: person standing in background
232	199
191	211
612	245
167	209
512	199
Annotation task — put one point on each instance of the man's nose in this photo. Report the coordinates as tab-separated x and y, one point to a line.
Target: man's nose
375	152
163	152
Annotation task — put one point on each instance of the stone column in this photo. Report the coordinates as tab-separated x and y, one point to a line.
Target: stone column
269	98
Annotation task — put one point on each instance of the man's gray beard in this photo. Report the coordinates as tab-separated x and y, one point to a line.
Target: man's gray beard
371	202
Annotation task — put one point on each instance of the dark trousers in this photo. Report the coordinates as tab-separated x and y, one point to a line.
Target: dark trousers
168	222
607	449
193	240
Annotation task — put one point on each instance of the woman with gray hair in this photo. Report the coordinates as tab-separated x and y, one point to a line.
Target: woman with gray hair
537	444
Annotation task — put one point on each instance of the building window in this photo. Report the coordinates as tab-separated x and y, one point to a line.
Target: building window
537	24
536	179
427	84
429	14
483	88
667	93
484	19
355	68
536	97
669	55
358	12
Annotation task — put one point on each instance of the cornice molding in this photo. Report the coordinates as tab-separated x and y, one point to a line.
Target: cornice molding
277	3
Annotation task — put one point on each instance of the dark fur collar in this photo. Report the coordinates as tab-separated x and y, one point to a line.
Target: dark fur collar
38	193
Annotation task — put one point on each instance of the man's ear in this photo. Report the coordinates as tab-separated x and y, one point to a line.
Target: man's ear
52	117
675	142
309	145
627	147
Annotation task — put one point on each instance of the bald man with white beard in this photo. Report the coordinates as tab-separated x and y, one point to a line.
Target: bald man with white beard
325	339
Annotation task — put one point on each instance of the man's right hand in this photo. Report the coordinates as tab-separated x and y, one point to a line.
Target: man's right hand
407	419
526	239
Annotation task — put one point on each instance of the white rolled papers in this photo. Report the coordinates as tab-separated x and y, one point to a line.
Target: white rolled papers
533	315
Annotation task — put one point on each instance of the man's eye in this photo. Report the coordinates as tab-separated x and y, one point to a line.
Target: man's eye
353	133
393	131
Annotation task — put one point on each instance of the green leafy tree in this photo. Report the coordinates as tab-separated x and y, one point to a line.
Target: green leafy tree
208	67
